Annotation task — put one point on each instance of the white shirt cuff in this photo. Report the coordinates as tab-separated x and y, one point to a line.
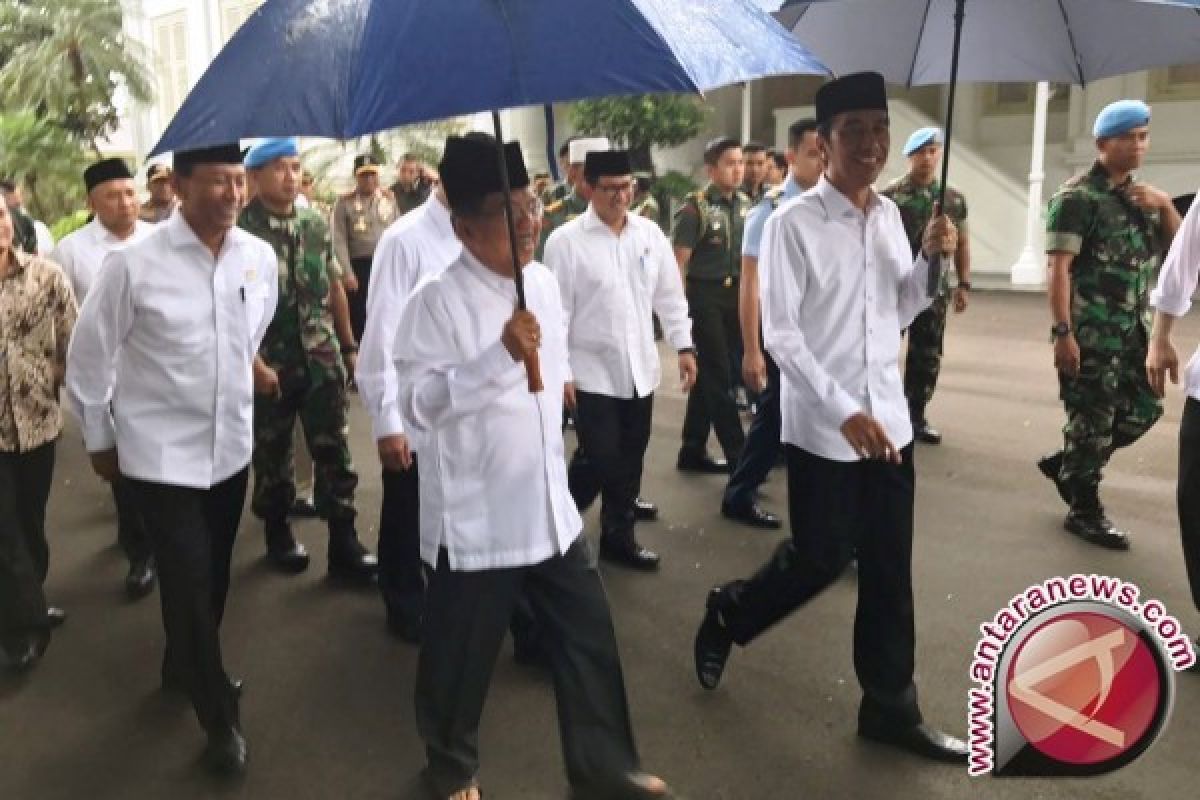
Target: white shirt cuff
1174	306
389	423
99	430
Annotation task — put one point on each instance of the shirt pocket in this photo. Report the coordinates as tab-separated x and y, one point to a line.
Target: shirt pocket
254	301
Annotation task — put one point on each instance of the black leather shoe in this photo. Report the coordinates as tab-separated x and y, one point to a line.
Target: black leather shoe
303	507
348	559
227	752
628	553
55	616
701	462
405	627
644	510
713	643
283	551
1051	467
633	786
920	740
1096	528
139	582
924	432
752	515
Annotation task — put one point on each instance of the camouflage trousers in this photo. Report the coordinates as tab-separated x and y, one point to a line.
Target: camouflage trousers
1109	405
320	405
924	359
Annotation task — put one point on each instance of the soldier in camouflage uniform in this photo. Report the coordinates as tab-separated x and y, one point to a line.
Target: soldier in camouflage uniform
708	247
1105	233
915	194
575	201
644	204
300	371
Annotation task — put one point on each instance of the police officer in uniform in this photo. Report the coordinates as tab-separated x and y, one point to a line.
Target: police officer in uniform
162	197
359	219
1105	232
915	194
708	248
301	371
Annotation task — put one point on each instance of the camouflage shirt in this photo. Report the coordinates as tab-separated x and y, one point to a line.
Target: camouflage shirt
916	209
1116	247
711	227
560	212
302	331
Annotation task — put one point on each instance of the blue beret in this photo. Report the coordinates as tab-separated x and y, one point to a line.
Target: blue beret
268	150
1121	117
922	137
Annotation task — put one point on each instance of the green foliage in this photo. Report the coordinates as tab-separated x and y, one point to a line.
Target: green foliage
69	224
329	162
675	184
640	122
46	160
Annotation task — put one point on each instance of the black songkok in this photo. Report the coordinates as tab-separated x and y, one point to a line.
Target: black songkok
860	91
220	154
470	169
607	162
110	169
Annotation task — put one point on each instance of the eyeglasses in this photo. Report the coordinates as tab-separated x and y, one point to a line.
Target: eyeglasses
614	189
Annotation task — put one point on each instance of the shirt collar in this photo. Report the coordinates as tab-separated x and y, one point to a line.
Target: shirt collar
104	235
439	214
181	235
838	204
1101	179
505	286
22	258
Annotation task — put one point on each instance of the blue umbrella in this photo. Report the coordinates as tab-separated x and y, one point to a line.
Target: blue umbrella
344	68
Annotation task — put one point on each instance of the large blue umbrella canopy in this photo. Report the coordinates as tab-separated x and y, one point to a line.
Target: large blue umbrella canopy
346	68
1068	41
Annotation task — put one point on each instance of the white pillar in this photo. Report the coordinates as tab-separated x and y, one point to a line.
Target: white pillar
1030	269
746	92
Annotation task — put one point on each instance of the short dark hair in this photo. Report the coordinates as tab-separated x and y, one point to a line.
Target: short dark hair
717	147
8	184
409	157
798	129
780	161
753	146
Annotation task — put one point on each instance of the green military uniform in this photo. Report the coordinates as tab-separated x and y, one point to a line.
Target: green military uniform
925	336
301	346
1117	247
755	196
647	207
559	213
710	225
556	192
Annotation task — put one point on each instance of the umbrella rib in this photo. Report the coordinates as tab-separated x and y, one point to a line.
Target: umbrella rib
1071	38
912	67
512	42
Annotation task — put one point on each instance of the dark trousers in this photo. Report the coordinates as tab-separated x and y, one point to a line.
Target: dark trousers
358	300
761	451
25	480
1187	494
711	404
192	532
401	571
839	509
131	528
469	612
613	433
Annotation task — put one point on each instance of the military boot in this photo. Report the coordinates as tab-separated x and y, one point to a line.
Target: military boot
1088	521
283	551
348	559
922	430
1051	467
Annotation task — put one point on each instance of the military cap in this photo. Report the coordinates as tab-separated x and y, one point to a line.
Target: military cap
922	137
607	162
366	163
470	169
581	147
858	91
1121	117
268	150
158	172
219	154
108	169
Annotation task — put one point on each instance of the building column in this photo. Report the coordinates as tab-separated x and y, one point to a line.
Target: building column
1030	268
747	90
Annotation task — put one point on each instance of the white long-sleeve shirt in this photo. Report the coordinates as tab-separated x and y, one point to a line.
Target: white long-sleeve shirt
611	286
82	252
493	472
843	287
1177	283
160	365
418	245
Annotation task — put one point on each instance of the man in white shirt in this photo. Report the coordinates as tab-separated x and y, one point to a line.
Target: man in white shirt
497	517
112	198
615	270
161	377
839	287
1172	299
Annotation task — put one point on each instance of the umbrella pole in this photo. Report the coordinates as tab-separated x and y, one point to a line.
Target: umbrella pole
935	273
533	370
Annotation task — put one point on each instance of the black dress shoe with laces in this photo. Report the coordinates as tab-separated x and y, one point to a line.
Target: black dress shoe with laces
1094	527
713	642
1051	467
924	432
627	552
919	739
283	551
752	515
303	507
701	462
644	510
227	752
349	559
139	582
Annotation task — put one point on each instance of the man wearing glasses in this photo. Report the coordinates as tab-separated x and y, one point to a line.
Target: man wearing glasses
615	270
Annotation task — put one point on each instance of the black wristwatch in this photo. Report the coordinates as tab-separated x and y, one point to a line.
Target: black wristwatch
1059	330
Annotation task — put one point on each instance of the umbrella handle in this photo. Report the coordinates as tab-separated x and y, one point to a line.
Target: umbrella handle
533	372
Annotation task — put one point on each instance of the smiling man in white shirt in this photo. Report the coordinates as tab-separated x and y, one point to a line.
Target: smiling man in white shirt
497	518
112	197
615	270
840	286
160	375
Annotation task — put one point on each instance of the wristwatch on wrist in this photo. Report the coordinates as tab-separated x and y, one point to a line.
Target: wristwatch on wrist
688	350
1059	330
964	285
